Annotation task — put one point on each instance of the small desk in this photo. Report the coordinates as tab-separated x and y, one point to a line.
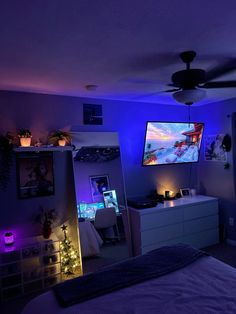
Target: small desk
90	240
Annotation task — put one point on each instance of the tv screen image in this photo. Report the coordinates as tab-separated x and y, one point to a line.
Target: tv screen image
172	143
88	210
110	199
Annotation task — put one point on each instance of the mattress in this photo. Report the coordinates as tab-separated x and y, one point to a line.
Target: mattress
206	286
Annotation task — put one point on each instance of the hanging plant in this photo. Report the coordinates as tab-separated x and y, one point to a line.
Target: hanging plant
6	145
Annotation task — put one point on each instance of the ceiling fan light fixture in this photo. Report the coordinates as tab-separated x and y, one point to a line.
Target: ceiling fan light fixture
189	96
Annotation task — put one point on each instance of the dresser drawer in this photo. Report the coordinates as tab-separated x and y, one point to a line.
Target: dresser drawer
161	234
200	224
202	239
201	210
162	243
160	219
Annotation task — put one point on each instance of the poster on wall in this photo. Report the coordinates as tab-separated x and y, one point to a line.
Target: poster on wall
213	150
99	184
35	175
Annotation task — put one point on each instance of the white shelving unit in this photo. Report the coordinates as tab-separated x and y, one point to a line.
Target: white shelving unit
191	220
31	267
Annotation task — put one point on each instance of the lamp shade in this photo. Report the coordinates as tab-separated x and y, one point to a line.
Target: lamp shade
189	96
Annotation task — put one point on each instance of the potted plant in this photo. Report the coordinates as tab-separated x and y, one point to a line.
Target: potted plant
25	137
60	137
46	217
6	146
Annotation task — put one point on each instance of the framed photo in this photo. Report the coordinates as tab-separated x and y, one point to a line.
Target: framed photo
92	114
35	175
185	192
99	184
213	149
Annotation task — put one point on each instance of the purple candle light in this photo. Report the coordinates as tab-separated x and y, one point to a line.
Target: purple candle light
8	238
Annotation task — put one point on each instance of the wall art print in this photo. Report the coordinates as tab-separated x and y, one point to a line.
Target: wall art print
213	150
35	176
99	184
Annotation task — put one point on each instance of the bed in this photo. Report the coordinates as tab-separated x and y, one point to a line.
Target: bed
201	285
90	240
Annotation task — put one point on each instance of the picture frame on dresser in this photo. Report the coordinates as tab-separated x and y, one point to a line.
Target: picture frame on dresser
185	192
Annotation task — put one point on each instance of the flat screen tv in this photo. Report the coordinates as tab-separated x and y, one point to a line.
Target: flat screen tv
172	143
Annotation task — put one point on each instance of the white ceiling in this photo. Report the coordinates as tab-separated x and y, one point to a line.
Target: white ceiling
128	48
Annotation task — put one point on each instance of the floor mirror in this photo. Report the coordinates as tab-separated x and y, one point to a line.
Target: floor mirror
101	201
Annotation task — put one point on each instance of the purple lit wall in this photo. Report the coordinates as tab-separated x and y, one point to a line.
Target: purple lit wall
213	178
43	113
18	216
47	112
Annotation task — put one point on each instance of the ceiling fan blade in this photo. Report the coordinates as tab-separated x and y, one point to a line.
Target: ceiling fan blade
172	90
147	95
156	93
140	80
227	67
150	61
220	84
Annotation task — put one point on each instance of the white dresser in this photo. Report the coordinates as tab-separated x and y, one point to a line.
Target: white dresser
191	220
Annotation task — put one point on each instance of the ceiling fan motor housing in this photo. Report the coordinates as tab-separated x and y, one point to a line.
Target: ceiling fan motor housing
188	79
187	56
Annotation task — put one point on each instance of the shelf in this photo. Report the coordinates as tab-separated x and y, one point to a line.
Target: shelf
10	275
33	286
12	292
10	257
34	266
52	280
11	281
42	149
11	287
50	253
52	275
9	263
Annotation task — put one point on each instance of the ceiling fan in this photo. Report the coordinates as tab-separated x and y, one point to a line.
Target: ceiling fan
190	84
